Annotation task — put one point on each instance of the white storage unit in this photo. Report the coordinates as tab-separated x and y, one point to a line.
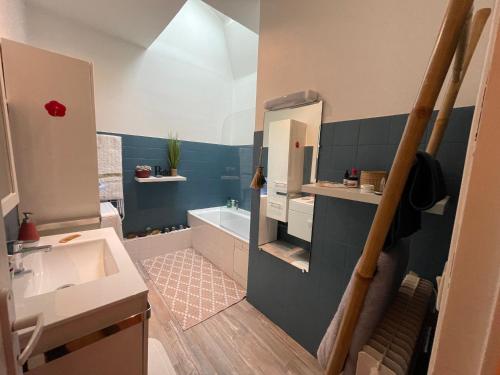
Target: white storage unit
300	217
285	165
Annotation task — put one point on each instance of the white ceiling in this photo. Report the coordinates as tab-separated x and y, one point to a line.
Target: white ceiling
140	22
246	12
241	42
242	46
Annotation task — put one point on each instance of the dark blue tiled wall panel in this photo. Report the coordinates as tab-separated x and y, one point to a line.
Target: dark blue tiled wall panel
214	173
372	144
303	304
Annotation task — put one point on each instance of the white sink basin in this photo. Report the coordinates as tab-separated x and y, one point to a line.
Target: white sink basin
105	287
64	266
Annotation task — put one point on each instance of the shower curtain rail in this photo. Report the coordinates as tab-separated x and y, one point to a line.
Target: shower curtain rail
453	24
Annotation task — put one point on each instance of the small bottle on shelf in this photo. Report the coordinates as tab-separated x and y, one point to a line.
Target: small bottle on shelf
346	177
353	179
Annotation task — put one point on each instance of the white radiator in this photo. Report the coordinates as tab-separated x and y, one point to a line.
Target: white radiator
391	347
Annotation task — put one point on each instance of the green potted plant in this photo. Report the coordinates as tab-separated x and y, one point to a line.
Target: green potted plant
174	153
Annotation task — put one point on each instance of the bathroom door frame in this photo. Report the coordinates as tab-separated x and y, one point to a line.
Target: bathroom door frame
470	291
9	343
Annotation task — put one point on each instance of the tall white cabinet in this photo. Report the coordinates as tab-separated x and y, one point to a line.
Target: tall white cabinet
286	140
55	154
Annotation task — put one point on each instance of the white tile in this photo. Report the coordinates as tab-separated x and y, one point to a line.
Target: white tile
151	246
238	243
214	244
240	280
244	246
241	263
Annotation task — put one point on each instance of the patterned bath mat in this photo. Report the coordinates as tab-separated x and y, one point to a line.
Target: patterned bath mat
193	288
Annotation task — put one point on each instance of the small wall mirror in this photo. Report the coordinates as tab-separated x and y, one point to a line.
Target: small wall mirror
8	185
289	155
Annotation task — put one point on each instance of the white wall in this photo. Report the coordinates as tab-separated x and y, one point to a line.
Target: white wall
242	45
182	83
365	58
238	128
12	20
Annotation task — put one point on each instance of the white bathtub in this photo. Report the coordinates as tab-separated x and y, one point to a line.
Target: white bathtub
221	235
235	222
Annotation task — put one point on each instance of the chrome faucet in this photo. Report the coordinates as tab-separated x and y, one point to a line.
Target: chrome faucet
19	251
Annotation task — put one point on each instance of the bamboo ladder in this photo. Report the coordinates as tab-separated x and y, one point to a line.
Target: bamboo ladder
451	29
465	51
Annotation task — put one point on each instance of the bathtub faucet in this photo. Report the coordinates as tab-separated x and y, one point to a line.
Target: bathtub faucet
232	203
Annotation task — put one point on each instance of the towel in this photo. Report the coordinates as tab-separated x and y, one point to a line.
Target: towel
391	268
109	160
427	186
424	188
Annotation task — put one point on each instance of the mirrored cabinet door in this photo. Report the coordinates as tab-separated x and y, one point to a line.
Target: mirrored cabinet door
8	184
289	156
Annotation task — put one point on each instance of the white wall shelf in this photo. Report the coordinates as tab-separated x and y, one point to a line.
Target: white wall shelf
354	194
153	179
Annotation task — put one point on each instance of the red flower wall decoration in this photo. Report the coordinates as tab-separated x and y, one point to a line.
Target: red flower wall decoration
56	109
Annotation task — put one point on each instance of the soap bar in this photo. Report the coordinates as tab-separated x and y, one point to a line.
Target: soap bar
69	238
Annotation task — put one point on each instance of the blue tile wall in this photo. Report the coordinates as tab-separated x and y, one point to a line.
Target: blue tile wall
214	172
303	304
372	144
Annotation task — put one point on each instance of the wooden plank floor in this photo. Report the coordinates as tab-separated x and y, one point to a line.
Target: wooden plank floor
239	340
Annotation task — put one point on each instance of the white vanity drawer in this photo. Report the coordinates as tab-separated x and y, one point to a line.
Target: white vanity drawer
277	207
300	224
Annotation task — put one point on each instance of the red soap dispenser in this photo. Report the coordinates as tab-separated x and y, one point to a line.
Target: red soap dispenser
28	231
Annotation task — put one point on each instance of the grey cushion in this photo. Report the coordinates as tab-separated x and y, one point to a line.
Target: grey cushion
391	268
